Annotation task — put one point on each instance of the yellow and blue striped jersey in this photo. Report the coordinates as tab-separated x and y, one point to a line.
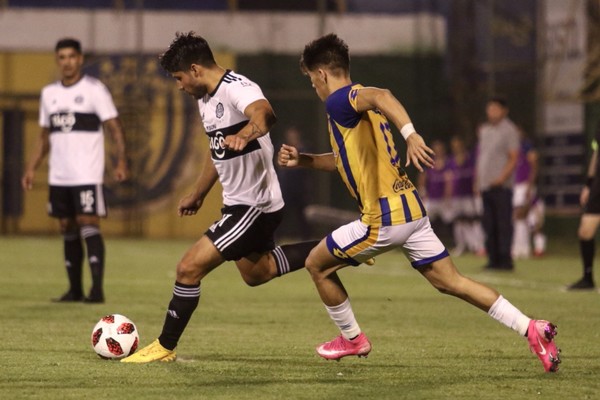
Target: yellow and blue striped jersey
368	162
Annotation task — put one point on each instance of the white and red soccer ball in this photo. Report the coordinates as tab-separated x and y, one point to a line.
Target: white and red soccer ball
115	336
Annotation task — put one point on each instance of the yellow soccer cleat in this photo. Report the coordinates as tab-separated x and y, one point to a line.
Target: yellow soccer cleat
150	353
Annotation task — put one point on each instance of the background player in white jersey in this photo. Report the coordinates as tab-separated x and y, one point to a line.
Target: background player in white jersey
73	113
237	119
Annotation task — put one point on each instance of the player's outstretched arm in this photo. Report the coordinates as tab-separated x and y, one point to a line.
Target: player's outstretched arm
42	147
190	204
417	152
288	156
261	119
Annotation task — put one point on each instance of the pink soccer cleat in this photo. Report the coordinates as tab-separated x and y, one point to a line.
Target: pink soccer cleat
342	347
540	335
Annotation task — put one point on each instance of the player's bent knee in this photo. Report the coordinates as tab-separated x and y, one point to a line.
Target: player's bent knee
253	280
188	274
586	234
315	270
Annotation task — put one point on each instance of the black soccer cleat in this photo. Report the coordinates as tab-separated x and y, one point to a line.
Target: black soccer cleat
68	297
93	299
582	284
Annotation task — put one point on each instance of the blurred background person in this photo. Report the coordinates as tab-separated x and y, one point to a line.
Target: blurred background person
498	149
536	218
590	220
524	199
73	114
435	191
466	224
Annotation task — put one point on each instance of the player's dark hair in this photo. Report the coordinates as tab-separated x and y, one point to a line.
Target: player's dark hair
186	49
327	51
68	43
501	100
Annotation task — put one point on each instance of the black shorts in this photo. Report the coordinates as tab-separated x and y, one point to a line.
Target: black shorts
70	201
593	204
243	230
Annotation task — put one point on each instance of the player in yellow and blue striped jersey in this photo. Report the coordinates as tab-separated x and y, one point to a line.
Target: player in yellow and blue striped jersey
393	216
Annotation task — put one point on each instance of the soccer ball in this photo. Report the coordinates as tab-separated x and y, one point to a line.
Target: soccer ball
115	336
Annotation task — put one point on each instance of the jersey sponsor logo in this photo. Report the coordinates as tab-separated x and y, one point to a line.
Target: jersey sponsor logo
220	110
73	121
78	99
63	121
216	140
401	184
217	145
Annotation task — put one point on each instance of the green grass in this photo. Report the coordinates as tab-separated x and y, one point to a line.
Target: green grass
258	343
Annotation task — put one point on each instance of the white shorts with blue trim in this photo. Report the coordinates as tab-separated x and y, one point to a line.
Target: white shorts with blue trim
355	242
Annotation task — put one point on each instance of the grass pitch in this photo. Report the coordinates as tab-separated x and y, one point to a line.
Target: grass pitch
258	343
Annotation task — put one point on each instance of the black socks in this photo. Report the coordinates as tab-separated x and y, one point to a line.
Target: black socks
587	249
184	302
73	251
291	257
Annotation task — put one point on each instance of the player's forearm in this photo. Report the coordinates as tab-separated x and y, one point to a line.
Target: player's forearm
42	148
324	162
207	179
262	119
391	107
118	137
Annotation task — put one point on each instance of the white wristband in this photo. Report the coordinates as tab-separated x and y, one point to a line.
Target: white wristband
407	130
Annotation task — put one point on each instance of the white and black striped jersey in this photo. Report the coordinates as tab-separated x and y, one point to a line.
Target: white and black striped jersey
248	177
74	115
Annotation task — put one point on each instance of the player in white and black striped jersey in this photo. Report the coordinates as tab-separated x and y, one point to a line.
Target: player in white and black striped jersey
73	115
237	118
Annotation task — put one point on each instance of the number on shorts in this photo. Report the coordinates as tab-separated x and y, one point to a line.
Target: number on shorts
86	197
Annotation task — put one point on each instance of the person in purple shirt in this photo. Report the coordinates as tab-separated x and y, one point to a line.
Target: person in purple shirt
526	204
467	230
434	190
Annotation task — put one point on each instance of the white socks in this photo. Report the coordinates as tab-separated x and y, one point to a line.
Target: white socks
343	317
539	243
521	247
507	314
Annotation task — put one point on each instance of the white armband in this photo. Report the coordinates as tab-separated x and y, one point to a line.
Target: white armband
407	130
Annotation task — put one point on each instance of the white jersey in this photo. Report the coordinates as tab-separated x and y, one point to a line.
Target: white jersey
74	115
248	177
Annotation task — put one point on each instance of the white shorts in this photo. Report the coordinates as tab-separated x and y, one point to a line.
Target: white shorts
520	191
354	243
439	208
536	215
465	207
